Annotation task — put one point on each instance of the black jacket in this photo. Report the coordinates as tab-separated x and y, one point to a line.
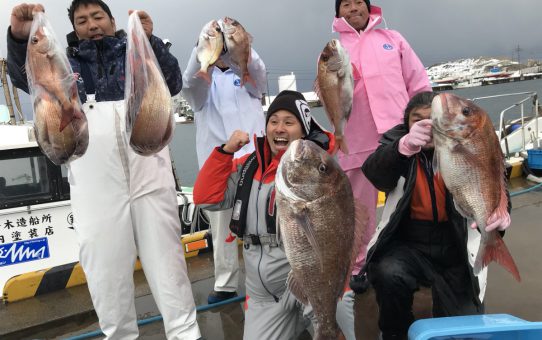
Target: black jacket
387	169
105	64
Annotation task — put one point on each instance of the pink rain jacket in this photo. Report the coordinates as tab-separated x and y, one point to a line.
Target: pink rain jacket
388	74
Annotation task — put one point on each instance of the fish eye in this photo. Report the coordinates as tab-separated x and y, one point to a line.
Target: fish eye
322	168
325	58
466	111
34	39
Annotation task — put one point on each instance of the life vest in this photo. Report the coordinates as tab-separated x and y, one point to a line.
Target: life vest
242	196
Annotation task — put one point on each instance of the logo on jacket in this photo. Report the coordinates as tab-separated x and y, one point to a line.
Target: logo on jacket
237	82
387	47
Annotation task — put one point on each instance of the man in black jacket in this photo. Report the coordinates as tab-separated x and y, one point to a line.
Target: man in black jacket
422	240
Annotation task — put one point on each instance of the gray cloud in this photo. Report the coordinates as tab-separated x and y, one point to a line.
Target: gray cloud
289	35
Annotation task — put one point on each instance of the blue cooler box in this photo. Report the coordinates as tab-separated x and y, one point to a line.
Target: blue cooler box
487	327
534	159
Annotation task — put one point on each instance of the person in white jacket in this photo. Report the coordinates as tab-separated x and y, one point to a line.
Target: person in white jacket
219	109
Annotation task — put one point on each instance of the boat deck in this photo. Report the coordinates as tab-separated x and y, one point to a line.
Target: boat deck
69	312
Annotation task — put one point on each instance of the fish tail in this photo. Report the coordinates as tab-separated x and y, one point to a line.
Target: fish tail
496	250
330	334
248	79
204	75
341	145
67	115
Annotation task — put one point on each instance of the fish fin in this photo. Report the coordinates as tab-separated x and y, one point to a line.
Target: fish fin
495	250
204	75
355	72
308	228
340	145
76	108
434	163
316	87
248	79
461	211
67	115
296	289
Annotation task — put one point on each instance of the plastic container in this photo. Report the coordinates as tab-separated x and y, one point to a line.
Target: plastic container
490	327
534	157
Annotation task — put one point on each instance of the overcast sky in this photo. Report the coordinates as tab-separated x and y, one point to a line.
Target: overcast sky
289	34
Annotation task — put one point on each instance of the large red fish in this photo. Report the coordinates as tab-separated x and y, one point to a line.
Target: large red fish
470	160
60	125
335	87
321	226
149	111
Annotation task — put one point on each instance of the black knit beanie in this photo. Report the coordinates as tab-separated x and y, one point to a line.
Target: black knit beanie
338	4
294	102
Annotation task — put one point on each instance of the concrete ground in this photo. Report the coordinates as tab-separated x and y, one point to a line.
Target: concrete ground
68	313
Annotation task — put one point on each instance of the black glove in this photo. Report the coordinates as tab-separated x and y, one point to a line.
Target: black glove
320	138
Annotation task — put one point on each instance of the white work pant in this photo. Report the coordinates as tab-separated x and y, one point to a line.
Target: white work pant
225	254
124	205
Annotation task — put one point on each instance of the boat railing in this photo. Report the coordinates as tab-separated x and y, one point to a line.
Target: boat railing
531	99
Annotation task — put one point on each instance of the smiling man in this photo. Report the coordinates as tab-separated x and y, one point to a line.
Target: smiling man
389	74
124	205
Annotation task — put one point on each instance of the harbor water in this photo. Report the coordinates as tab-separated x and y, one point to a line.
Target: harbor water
183	144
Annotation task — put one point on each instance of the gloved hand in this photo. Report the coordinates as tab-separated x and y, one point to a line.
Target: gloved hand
419	136
318	137
497	221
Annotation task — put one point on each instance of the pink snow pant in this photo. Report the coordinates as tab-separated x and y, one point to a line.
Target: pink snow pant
366	194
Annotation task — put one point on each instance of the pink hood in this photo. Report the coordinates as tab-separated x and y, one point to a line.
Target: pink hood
390	74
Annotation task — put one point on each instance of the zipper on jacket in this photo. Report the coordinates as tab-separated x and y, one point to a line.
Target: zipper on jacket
261	245
427	168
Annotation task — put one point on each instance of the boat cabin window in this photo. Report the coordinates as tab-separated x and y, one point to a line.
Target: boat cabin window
27	177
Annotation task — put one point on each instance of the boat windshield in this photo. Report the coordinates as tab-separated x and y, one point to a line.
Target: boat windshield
28	178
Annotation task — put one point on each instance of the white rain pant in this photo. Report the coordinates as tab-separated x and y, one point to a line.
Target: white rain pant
225	254
125	205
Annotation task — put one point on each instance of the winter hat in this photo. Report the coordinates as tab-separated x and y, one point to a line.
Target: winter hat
338	4
294	102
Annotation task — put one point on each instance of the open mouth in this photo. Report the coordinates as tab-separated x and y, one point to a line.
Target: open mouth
280	141
97	36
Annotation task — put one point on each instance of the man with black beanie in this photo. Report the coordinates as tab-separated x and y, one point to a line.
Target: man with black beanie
247	185
390	74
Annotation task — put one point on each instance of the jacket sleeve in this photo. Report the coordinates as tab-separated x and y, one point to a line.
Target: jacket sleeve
168	64
216	183
414	74
195	90
384	167
16	60
258	73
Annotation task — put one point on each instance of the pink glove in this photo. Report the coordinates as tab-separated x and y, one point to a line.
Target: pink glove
496	221
420	135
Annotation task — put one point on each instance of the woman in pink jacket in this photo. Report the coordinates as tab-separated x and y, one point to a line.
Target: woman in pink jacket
390	74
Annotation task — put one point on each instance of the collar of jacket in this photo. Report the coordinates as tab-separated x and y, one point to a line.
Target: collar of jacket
340	25
109	46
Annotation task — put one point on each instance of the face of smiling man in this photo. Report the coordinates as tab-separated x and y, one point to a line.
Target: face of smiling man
282	128
355	12
92	22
